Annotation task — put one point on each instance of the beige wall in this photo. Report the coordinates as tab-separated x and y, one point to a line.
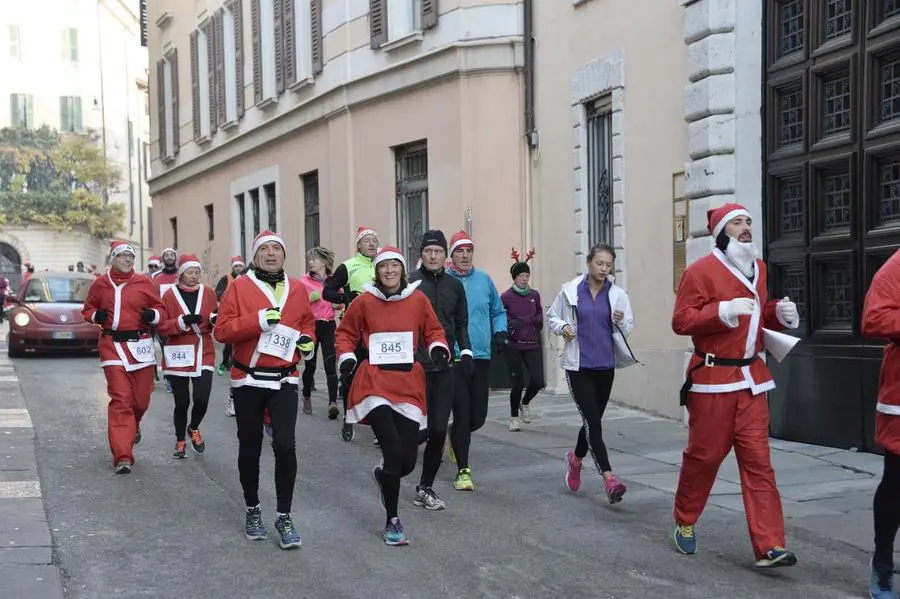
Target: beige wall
651	141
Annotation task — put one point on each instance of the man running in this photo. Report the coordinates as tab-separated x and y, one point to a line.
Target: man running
345	285
237	267
165	278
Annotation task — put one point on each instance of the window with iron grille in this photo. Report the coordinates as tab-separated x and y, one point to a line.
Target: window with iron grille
835	206
311	209
791	27
599	173
836	104
790	116
889	89
889	8
836	295
838	18
791	217
411	173
271	206
210	222
790	281
889	191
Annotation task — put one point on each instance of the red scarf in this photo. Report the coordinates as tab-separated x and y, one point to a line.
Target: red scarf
119	278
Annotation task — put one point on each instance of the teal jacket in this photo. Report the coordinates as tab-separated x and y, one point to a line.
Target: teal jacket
486	313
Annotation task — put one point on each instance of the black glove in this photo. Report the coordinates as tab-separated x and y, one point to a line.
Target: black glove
347	367
212	318
190	319
100	316
501	340
148	316
440	356
515	324
467	365
303	339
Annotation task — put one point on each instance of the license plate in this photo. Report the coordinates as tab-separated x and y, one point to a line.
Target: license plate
62	335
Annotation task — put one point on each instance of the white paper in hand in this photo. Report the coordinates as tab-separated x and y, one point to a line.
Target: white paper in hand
778	344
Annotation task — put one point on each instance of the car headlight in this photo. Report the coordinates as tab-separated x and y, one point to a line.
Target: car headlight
22	319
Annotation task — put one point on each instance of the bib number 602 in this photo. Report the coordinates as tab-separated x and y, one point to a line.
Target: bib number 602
144	350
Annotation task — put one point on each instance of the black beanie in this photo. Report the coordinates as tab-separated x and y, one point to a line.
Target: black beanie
518	268
433	237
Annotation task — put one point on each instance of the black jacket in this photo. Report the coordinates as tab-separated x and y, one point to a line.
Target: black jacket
448	298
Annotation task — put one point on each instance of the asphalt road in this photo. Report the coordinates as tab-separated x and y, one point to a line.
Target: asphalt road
175	528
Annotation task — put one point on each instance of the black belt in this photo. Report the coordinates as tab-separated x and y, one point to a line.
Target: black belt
122	336
710	360
265	374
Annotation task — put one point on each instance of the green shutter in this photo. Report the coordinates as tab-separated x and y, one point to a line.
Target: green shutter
63	113
76	115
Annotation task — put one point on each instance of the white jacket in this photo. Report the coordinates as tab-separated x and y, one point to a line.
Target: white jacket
563	312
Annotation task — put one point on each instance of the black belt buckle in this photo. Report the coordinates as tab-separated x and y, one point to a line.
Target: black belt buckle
709	360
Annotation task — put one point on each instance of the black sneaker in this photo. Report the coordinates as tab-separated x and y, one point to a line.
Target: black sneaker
428	499
347	432
123	467
333	411
138	436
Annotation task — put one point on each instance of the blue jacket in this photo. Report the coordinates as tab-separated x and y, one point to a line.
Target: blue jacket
486	313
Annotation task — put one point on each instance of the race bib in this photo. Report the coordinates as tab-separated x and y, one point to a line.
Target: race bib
142	350
280	341
391	348
164	288
179	356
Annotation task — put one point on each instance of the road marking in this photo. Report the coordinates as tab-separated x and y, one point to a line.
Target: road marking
15	418
20	489
9	379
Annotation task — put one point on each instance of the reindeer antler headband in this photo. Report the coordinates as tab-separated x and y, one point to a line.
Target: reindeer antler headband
516	257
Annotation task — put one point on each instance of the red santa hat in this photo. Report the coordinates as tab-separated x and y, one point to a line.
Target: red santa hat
363	231
187	261
389	252
154	261
118	247
460	239
719	217
238	261
265	237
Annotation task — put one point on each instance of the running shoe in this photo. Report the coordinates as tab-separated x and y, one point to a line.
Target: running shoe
881	581
428	499
394	535
333	411
179	453
615	490
463	480
123	467
685	540
573	472
376	476
525	413
513	424
168	386
307	404
254	527
197	442
290	538
221	370
138	436
777	557
229	406
347	432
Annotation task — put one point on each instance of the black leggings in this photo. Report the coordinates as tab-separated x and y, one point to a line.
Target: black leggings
325	340
398	438
590	389
519	360
181	391
470	408
439	395
249	405
226	355
886	508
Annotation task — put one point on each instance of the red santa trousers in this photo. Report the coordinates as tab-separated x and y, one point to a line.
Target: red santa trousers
129	397
717	422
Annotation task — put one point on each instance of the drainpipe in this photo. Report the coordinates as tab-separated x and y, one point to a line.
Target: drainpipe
529	119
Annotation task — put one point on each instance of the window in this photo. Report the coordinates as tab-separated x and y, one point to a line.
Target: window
836	295
202	81
70	114
262	14
131	218
271	206
173	222
599	173
790	116
411	173
242	222
888	9
21	111
167	105
838	18
150	226
888	191
254	207
70	45
391	20
311	209
790	281
210	222
889	89
230	54
791	29
836	108
791	218
15	43
145	159
404	17
835	201
303	42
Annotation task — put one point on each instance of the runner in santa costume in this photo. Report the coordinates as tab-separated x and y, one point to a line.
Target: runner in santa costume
125	304
266	316
165	278
723	304
153	265
881	320
388	391
189	354
237	267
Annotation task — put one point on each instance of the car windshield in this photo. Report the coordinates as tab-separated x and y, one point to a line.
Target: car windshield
56	290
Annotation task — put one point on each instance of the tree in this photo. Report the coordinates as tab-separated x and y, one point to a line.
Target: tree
57	181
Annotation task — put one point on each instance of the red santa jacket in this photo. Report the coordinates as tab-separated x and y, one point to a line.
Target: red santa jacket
699	304
164	281
241	322
373	386
881	320
196	336
124	303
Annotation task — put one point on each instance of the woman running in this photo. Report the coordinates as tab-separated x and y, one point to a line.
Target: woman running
594	317
525	320
320	262
189	354
388	389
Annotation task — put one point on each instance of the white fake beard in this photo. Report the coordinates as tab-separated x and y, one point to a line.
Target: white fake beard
742	255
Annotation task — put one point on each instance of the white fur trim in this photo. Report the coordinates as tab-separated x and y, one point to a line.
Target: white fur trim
439	344
408	410
163	253
889	409
460	242
466	352
187	265
344	357
263	323
365	232
237	263
266	239
119	249
156	316
727	218
381	257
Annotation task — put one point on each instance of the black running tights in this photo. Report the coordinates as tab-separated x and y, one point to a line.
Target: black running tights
887	510
398	438
181	391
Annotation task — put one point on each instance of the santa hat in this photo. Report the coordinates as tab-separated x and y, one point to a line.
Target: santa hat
187	261
363	231
174	251
389	252
719	217
154	261
265	237
460	239
237	261
118	247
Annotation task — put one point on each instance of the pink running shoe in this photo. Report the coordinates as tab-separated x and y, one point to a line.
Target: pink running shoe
614	489
573	472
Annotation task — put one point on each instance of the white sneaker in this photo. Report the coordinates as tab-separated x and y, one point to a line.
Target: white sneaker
525	413
229	407
513	424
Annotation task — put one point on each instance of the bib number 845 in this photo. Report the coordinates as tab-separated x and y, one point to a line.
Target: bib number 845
389	348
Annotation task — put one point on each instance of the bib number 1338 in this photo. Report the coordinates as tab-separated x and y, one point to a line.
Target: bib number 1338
280	342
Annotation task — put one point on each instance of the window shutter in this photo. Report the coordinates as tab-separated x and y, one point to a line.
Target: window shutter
14	116
176	119
76	114
238	11
257	52
378	22
289	27
63	114
429	13
315	12
219	27
211	72
278	12
195	87
29	115
161	107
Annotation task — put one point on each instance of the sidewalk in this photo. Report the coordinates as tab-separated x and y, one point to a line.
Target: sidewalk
27	570
824	490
